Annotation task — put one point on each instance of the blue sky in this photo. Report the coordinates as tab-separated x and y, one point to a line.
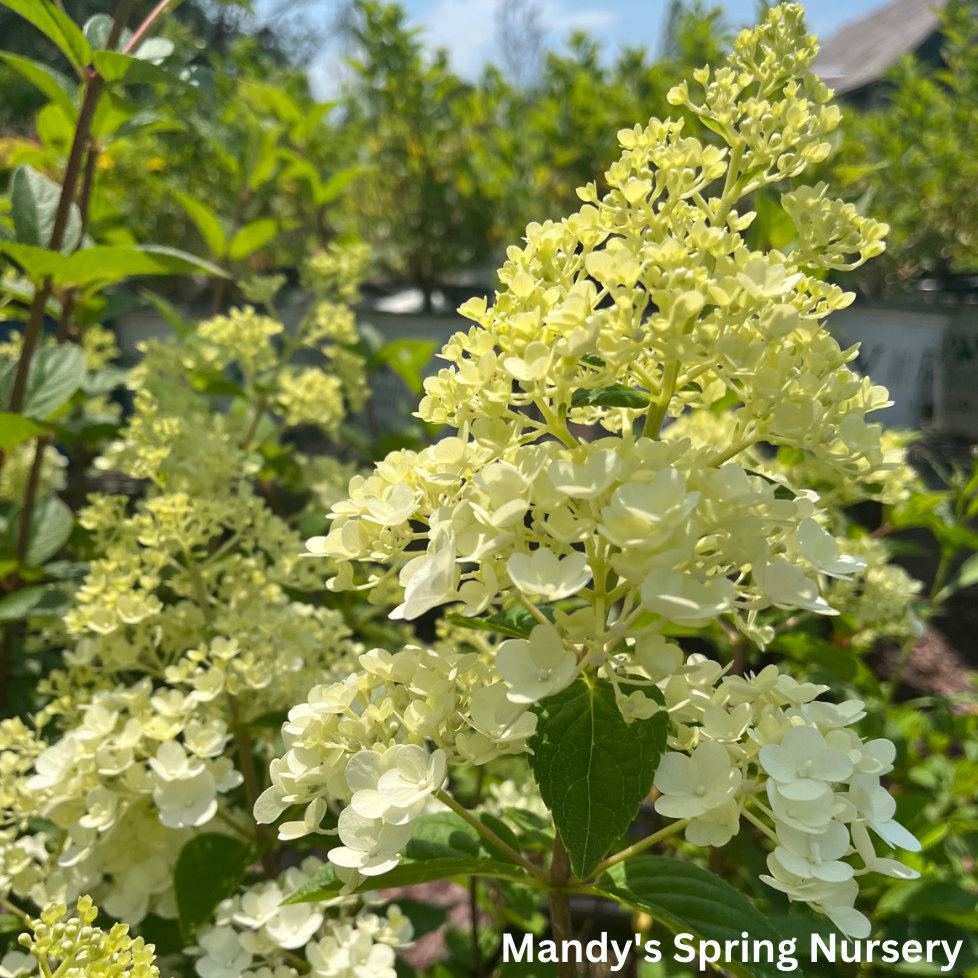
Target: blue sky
467	27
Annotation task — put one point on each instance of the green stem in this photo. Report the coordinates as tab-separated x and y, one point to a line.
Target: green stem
474	912
15	910
893	684
940	576
246	760
735	449
634	850
490	836
533	610
755	821
660	407
731	186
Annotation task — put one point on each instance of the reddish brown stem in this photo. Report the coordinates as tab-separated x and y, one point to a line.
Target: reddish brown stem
156	14
83	130
561	926
246	759
30	495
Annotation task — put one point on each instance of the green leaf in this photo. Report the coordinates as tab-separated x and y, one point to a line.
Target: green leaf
104	264
154	49
16	429
34	201
67	570
429	870
33	602
206	222
209	869
534	830
968	574
55	129
594	769
56	86
617	395
927	898
96	30
251	237
213	383
55	374
181	326
51	524
322	885
272	720
688	899
327	192
408	358
516	621
10	924
445	835
424	917
114	66
59	27
104	380
24	291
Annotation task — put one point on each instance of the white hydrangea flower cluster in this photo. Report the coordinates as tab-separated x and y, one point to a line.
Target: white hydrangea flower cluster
184	632
73	947
362	742
564	495
509	794
741	739
253	934
646	304
115	785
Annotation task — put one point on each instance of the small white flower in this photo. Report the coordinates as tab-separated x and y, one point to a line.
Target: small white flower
585	481
878	864
397	505
370	845
225	958
536	667
428	581
294	925
814	856
172	763
786	586
187	802
876	807
715	828
102	806
682	600
16	964
413	778
802	764
545	574
691	786
822	550
636	706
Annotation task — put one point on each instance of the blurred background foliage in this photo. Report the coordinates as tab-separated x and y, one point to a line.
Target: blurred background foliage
439	172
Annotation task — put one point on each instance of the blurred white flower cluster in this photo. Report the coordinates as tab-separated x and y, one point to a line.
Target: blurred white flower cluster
253	934
191	624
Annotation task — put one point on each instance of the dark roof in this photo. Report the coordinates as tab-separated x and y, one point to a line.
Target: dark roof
859	52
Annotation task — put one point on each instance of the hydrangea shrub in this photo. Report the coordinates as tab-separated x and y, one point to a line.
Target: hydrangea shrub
609	484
